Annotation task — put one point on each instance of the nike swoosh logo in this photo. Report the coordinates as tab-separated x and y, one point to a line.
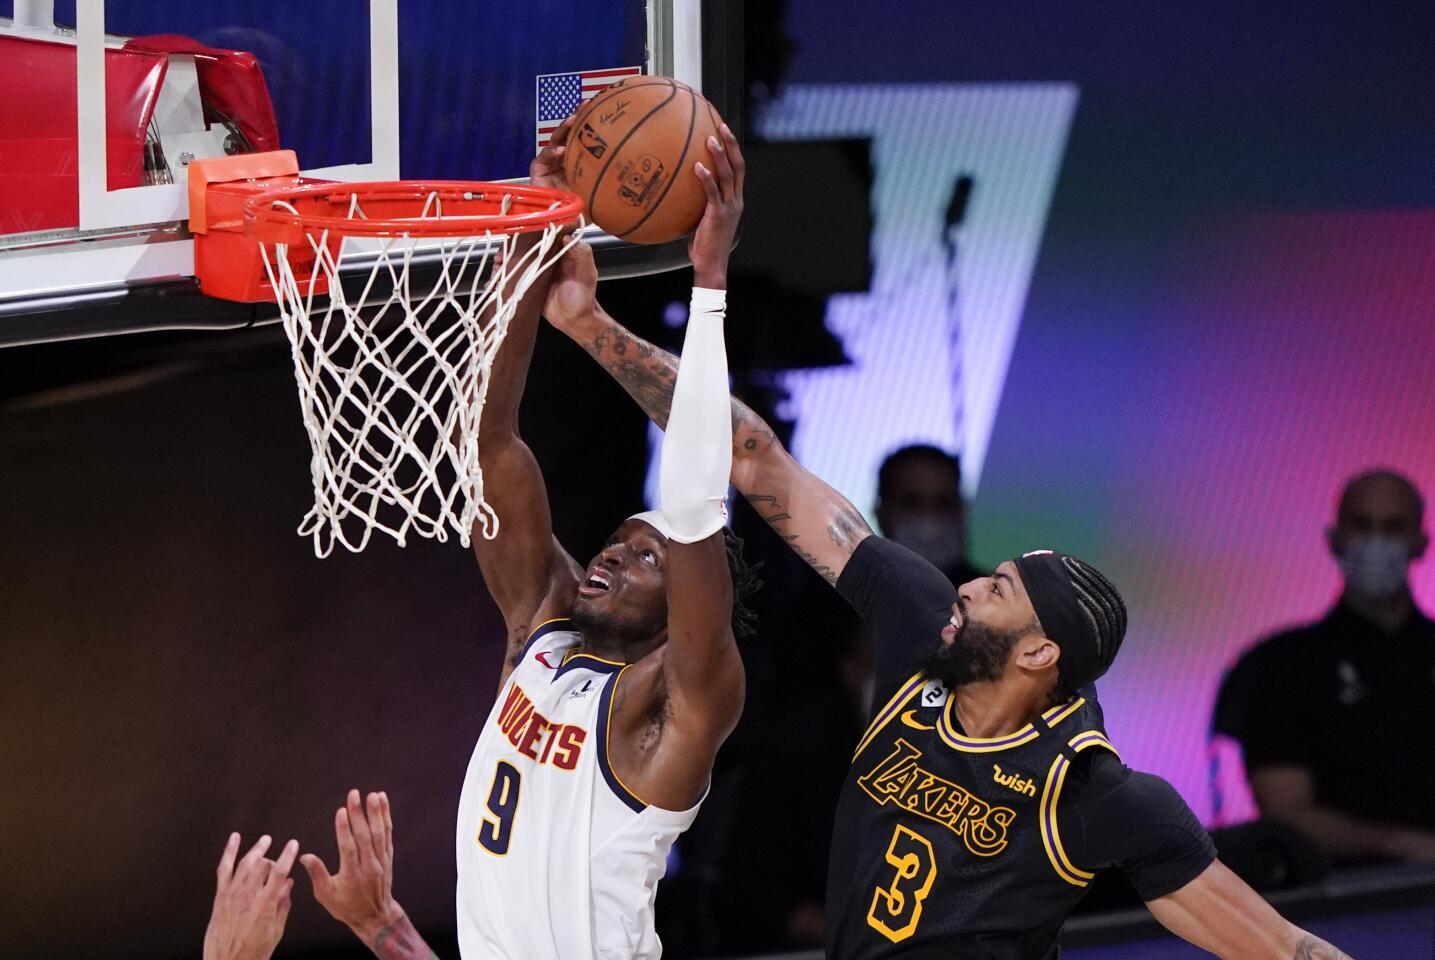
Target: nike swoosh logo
910	721
541	656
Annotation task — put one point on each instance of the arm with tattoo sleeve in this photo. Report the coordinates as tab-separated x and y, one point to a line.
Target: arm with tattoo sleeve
816	521
813	519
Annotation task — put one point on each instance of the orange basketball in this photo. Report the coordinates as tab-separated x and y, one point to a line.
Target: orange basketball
630	157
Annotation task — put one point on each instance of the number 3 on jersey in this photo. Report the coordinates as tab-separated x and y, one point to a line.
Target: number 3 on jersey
494	833
897	907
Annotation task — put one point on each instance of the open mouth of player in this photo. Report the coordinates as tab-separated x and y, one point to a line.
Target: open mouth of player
954	625
596	584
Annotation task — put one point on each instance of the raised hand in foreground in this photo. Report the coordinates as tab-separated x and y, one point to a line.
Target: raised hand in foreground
360	894
251	902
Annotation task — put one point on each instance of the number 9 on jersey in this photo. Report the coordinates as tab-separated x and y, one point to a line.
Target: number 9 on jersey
494	833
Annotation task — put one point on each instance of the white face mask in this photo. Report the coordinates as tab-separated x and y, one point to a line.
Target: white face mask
933	537
1375	566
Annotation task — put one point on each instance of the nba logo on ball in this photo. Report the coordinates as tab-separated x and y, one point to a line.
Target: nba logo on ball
589	140
632	155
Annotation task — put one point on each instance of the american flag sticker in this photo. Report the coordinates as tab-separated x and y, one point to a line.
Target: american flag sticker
559	94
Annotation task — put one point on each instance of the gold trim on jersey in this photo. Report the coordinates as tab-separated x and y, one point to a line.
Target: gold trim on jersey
574	654
1051	795
947	728
893	706
538	631
544	624
607	755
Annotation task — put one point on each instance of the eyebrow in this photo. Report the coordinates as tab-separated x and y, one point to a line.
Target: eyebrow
1007	578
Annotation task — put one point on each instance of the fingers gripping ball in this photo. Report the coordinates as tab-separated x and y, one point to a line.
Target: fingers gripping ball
630	157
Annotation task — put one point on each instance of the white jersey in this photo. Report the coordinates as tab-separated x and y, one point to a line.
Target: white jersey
556	858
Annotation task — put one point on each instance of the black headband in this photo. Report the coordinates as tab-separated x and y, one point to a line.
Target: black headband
1054	599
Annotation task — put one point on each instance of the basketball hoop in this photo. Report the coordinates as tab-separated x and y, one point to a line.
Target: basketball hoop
396	298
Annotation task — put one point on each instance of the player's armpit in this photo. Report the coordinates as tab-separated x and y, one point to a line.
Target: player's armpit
555	602
703	669
523	566
671	713
703	679
1218	912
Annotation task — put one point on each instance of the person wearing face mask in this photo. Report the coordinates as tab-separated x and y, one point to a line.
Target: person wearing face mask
920	506
1334	718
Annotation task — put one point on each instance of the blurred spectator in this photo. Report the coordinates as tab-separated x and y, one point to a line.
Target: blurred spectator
919	505
1334	717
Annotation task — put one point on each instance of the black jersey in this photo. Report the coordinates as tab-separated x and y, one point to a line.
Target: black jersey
966	849
946	842
1325	697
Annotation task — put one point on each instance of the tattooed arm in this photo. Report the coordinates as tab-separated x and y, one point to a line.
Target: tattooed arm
400	941
1218	912
1314	948
816	521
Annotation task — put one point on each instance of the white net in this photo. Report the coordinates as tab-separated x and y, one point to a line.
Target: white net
392	378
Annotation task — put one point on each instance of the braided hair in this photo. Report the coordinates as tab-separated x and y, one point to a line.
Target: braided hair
1105	613
745	583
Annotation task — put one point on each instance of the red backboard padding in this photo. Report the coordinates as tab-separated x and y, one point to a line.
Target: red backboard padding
231	84
39	157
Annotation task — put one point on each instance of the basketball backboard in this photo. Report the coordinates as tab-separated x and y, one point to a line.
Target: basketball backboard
107	101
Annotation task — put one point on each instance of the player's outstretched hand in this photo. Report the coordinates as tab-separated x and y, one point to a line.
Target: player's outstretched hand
251	902
546	169
574	294
713	240
360	895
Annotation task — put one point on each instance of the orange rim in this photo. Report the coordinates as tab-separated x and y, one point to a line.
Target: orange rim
405	208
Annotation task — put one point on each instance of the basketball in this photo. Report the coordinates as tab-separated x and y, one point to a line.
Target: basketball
630	157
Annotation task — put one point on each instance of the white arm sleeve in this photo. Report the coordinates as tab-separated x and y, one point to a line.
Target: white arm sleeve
697	447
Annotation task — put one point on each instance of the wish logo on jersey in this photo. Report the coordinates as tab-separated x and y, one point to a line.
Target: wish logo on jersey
535	736
899	780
